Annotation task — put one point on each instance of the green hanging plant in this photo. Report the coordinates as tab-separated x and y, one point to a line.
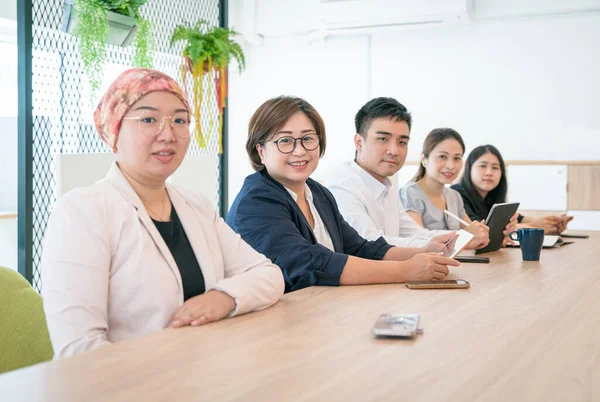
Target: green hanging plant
207	51
143	44
93	32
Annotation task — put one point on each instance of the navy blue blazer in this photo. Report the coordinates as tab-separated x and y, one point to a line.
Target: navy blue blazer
268	218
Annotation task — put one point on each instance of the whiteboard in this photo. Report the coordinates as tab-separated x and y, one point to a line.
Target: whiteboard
538	187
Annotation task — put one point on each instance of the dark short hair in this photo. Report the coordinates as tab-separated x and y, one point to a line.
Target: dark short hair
498	194
380	108
436	136
271	116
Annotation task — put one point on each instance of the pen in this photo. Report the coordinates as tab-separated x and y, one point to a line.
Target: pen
455	217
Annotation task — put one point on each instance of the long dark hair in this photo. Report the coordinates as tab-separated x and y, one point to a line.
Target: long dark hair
498	194
436	136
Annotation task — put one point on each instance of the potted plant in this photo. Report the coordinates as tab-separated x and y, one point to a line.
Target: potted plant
102	22
206	54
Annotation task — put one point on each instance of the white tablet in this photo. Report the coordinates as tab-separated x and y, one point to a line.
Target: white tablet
458	243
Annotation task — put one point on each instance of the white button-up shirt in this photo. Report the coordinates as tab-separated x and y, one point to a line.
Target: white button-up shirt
320	231
374	209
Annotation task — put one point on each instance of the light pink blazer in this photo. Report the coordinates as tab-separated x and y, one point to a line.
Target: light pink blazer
107	274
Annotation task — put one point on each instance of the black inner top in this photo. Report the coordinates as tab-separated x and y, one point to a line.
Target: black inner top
174	236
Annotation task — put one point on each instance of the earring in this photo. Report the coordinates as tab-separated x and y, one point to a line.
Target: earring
423	163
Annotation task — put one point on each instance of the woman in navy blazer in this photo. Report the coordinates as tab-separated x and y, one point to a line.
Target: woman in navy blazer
295	221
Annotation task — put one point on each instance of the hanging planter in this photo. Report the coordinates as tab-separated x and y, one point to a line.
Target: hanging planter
205	59
121	28
98	23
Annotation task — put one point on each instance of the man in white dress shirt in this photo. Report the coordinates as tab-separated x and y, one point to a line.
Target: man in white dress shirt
366	196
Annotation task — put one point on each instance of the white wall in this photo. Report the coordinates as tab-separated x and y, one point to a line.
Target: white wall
8	164
9	246
8	9
527	84
8	134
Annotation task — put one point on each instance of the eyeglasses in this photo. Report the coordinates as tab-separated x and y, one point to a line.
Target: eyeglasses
150	126
286	145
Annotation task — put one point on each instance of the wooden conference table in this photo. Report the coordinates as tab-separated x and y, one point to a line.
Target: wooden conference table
524	331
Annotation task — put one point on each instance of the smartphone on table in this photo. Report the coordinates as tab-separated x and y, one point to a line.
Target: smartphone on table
397	325
478	259
574	236
446	284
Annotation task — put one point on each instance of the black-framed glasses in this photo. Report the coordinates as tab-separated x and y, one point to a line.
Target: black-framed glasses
286	145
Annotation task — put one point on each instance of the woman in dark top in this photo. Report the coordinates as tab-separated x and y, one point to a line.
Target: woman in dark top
484	184
294	220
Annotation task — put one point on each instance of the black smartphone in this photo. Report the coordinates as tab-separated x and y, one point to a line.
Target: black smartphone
574	236
473	258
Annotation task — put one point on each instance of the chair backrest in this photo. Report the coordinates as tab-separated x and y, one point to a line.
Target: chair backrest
24	338
198	173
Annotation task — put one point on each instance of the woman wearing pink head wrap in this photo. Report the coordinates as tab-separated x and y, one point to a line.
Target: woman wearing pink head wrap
131	254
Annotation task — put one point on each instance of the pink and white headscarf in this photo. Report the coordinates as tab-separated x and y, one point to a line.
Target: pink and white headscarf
128	88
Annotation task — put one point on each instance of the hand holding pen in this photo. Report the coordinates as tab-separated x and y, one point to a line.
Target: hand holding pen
480	231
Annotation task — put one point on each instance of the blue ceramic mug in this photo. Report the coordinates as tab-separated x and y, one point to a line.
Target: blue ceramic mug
531	241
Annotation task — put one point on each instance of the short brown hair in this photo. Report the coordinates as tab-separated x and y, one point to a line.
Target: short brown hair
271	116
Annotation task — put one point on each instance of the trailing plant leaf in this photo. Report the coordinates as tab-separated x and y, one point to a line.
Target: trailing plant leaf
93	32
144	44
238	54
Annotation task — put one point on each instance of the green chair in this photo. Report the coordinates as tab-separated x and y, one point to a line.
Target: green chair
24	338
